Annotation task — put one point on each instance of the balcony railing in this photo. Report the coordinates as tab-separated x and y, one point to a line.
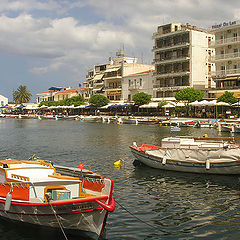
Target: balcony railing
226	41
172	74
160	88
113	88
134	87
171	45
171	59
224	73
225	56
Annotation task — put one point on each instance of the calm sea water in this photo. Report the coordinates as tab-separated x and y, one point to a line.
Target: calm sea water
174	205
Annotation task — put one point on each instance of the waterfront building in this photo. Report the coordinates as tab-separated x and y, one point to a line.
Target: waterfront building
3	101
68	93
181	59
137	82
49	95
227	58
107	79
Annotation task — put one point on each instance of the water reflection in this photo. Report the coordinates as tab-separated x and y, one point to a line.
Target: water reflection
177	205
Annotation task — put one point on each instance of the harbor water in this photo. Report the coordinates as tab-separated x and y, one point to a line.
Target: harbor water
150	204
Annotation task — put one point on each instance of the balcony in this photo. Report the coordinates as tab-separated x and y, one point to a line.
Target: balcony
172	59
223	57
134	87
225	73
110	88
112	77
172	74
225	41
160	88
170	46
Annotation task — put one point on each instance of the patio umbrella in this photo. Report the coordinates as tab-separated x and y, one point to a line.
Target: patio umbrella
169	105
194	104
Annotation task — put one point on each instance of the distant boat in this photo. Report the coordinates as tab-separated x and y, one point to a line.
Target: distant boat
175	129
189	155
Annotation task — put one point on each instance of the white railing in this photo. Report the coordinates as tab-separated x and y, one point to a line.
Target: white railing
227	40
223	73
225	56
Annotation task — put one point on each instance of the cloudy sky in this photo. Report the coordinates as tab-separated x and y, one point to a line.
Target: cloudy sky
46	43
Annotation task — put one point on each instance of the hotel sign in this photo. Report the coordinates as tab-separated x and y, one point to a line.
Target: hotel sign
224	24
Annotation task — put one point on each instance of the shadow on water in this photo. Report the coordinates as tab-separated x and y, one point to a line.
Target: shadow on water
150	174
17	231
187	206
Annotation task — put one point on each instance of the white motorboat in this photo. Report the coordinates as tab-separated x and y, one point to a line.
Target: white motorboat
190	155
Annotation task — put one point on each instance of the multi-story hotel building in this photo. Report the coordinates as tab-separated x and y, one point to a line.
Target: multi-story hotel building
181	59
227	58
107	79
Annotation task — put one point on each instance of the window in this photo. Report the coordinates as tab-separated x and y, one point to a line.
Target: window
235	50
129	83
223	69
235	36
140	83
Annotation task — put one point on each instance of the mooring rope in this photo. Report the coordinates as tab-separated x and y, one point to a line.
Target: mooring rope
150	225
59	223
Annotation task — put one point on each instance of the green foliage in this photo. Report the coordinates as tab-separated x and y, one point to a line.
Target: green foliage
98	100
227	97
189	94
162	103
141	98
21	95
76	101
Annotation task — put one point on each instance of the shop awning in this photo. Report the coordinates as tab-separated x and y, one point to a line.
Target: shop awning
98	77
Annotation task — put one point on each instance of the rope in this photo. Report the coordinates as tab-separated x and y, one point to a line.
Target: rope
150	225
59	223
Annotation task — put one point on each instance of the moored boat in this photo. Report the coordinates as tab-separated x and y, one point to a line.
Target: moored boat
189	155
39	193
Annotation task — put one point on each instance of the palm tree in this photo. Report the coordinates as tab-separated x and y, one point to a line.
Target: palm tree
21	95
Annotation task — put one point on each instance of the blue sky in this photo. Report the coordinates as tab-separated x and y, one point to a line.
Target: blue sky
46	43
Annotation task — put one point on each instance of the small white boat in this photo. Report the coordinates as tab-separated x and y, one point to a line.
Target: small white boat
36	192
189	155
175	129
128	120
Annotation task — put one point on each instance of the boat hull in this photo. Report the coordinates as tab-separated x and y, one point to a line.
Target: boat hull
84	218
183	166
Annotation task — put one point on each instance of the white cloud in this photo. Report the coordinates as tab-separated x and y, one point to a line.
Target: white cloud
26	5
60	40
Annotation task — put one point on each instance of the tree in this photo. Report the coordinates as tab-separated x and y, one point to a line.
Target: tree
162	103
227	97
141	98
21	95
189	94
98	100
76	101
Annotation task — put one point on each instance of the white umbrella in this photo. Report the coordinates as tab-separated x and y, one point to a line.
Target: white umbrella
195	103
180	104
150	105
222	104
168	105
212	103
203	103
